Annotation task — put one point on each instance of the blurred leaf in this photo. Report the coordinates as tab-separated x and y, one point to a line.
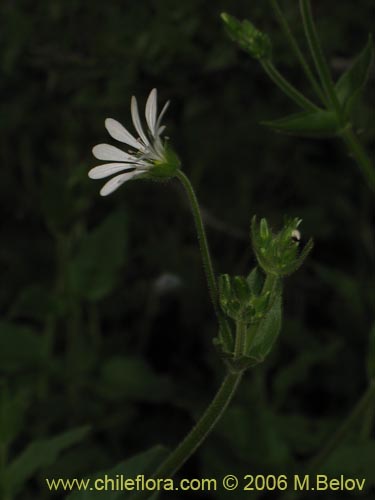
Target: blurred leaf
371	354
59	203
12	410
263	434
310	123
39	454
303	435
94	269
297	371
351	83
342	462
143	463
35	302
20	347
344	286
132	378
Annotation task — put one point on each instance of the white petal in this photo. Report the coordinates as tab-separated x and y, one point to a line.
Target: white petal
137	121
160	130
116	182
151	110
108	169
162	113
119	132
111	153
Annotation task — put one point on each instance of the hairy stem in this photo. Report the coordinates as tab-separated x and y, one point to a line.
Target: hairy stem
240	342
202	428
202	239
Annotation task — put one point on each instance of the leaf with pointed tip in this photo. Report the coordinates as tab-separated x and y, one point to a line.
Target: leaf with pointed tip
39	454
143	463
309	123
255	280
351	83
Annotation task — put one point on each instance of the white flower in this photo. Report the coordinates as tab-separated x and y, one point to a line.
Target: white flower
148	154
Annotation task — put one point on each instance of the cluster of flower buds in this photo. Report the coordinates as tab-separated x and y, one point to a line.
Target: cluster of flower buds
279	253
251	40
240	301
254	303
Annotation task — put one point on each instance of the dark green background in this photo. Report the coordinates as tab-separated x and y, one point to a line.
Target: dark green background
87	335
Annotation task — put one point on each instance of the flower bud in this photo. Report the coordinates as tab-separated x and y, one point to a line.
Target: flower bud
244	33
238	300
279	254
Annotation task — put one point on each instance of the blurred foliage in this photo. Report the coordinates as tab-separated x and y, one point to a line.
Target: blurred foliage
91	333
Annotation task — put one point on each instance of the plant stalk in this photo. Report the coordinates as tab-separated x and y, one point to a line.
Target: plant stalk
202	428
319	59
203	243
297	51
287	87
360	156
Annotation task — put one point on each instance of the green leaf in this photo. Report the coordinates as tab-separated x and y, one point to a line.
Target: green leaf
93	271
39	454
13	407
144	463
35	302
127	377
352	82
20	347
371	354
309	123
255	280
353	461
268	329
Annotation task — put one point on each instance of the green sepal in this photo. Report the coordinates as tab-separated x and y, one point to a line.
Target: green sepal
241	288
225	337
352	82
319	123
166	168
255	280
268	329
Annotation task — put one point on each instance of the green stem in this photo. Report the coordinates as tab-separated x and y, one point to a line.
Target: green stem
287	87
270	283
366	401
202	239
202	428
360	155
297	51
240	342
319	58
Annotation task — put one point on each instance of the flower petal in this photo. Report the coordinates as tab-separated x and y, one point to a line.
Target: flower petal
116	182
111	153
108	169
158	130
137	121
151	110
119	132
